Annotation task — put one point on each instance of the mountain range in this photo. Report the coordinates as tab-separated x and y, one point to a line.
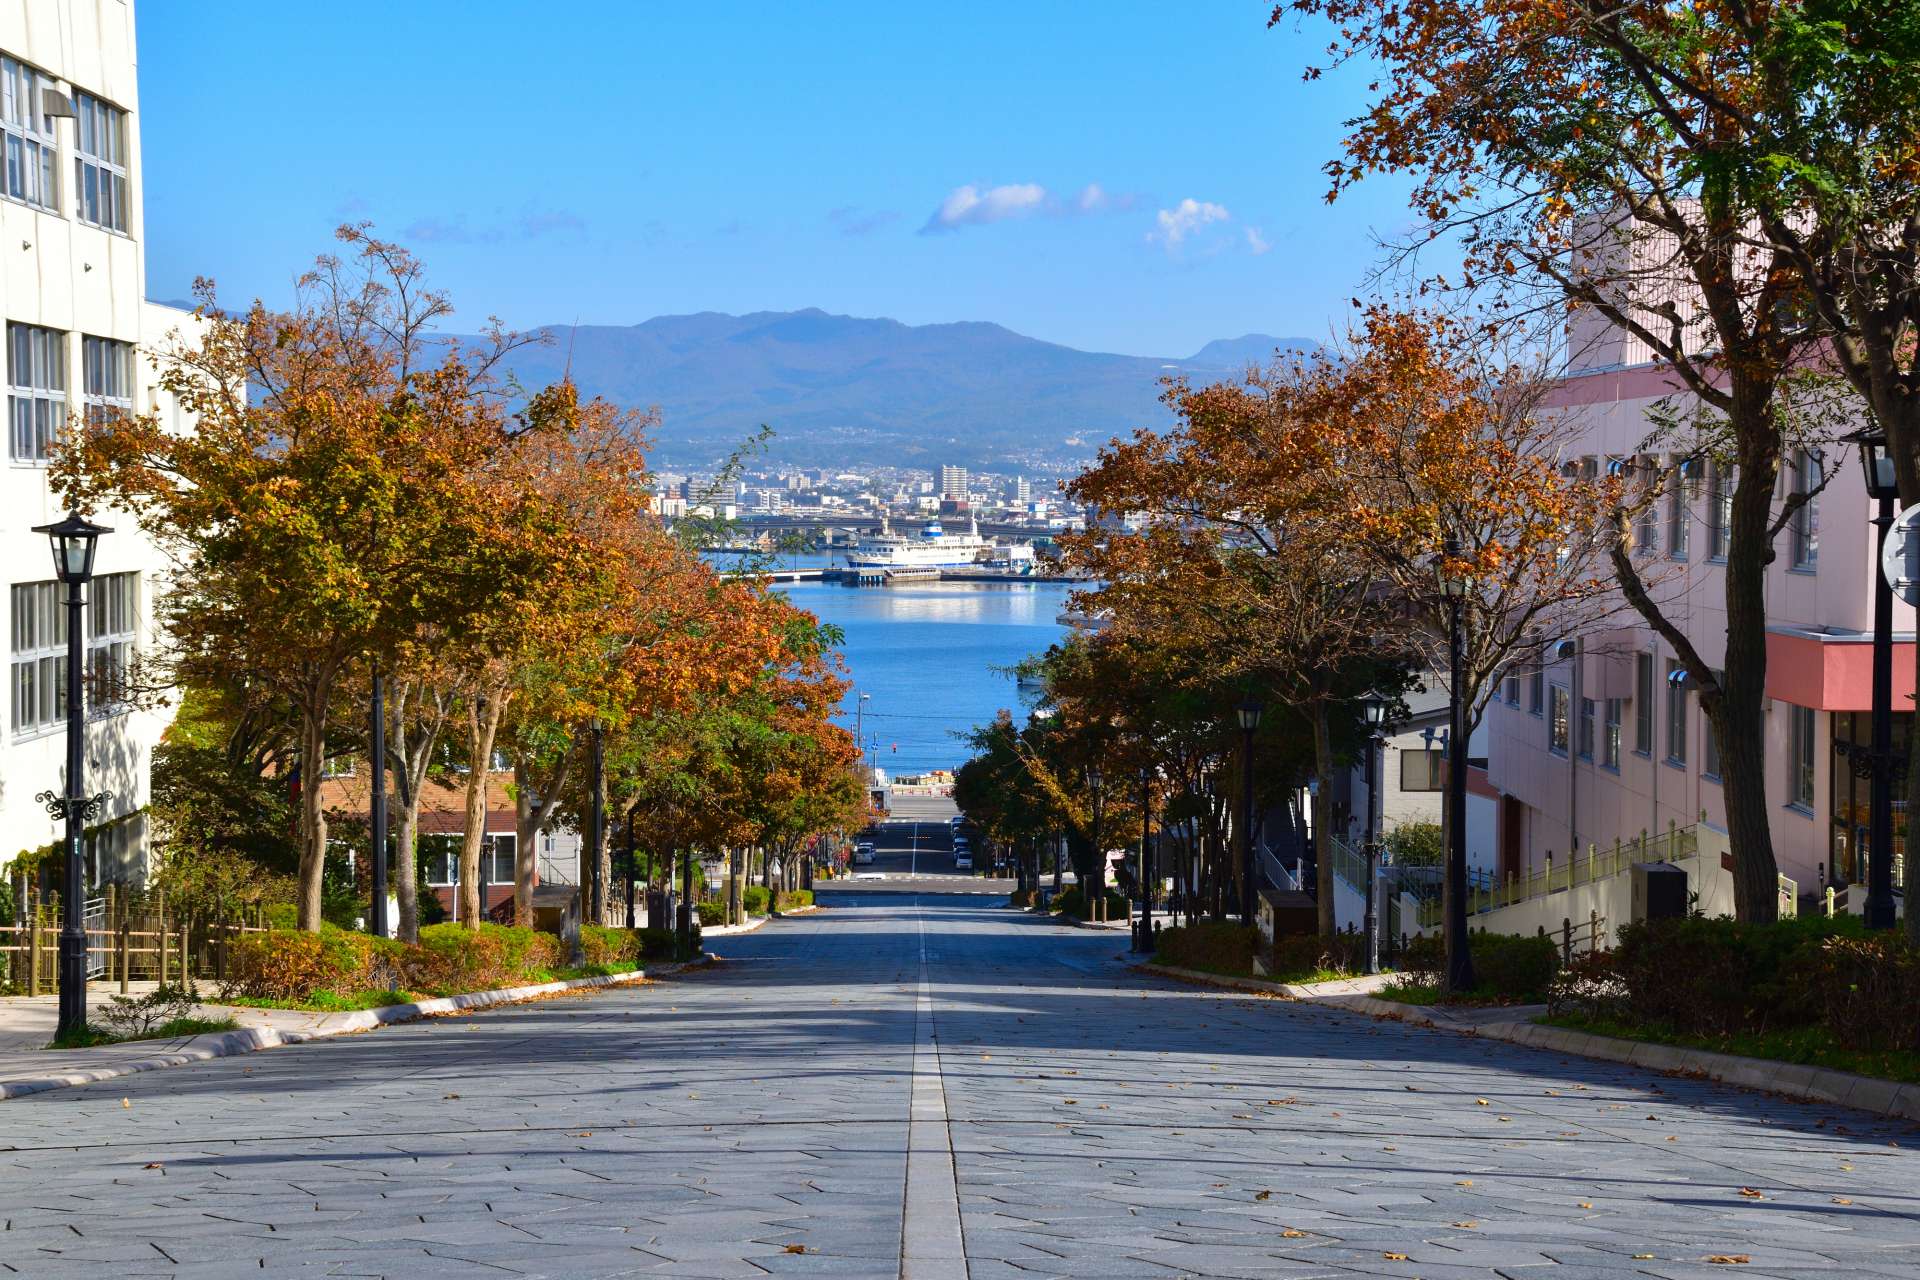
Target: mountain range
844	390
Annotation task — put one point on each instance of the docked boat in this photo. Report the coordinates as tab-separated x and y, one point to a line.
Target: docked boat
932	548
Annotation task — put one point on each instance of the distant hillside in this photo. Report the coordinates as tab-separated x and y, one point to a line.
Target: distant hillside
844	389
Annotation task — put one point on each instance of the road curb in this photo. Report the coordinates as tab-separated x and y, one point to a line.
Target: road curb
1290	990
733	930
228	1044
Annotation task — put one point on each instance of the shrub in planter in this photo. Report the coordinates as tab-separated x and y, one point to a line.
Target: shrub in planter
1211	944
793	899
291	964
656	943
1072	902
452	958
1721	977
1304	953
1515	967
1869	992
754	899
602	944
712	914
1509	966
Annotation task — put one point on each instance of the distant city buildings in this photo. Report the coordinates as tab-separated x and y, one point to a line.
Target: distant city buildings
953	482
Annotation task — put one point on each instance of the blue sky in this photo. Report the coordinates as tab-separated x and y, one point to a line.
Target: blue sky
1144	177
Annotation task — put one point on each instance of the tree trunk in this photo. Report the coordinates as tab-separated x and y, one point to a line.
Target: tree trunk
406	871
313	815
1326	892
1739	717
483	722
533	816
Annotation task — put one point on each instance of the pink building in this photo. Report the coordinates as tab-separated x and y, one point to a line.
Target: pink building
1599	744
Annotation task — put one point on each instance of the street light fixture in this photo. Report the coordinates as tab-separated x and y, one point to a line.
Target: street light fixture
1096	893
1455	586
74	541
1374	709
1883	487
1249	713
1143	936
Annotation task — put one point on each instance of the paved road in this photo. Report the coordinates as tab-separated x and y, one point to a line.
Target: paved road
931	1077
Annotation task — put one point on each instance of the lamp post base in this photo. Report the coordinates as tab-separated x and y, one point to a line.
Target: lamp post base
73	982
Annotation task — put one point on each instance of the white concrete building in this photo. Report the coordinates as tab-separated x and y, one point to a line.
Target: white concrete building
72	286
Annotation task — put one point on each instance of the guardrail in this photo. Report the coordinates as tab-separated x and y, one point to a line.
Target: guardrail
1599	864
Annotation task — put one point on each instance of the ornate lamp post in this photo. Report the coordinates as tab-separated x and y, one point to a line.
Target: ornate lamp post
74	541
1459	956
1249	713
1096	892
1143	933
1375	711
1881	765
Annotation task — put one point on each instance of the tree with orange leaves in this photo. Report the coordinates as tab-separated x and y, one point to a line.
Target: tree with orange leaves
327	504
1623	161
1310	522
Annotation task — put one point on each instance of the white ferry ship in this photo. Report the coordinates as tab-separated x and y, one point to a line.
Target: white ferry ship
934	548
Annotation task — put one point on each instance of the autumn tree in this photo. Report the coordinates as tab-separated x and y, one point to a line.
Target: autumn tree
321	509
1548	144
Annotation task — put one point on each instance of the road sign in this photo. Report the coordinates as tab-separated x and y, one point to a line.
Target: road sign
1900	559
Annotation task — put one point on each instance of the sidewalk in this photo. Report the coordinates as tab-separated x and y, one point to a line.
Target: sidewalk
27	1023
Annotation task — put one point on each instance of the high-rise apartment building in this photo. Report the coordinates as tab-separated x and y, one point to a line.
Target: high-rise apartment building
953	482
72	286
1022	490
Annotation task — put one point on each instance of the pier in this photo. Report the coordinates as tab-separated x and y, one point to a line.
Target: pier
886	577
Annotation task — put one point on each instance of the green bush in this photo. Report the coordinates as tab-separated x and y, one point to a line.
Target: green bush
1417	844
1505	966
754	899
793	899
1720	977
657	943
1868	991
604	945
1213	945
452	958
1073	903
1308	953
289	964
712	914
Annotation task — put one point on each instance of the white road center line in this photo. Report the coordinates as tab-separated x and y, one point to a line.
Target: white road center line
931	1246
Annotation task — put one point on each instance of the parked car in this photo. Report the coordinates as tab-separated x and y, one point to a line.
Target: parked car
962	860
863	854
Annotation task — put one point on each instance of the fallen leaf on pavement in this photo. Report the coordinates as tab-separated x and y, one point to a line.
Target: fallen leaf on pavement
796	1248
449	1097
155	1164
126	1102
1291	1234
1729	1259
1468	1226
1263	1195
1394	1257
1751	1194
1836	1199
1481	1102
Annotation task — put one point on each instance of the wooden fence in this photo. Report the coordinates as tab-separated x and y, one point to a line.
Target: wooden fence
138	937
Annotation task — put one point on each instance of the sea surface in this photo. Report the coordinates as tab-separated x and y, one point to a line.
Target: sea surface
932	657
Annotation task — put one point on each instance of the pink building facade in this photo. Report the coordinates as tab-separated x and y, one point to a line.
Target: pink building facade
1599	744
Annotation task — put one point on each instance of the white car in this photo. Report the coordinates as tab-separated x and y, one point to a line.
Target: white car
962	860
863	854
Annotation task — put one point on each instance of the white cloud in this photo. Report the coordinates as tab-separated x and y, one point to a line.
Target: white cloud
970	206
1181	221
1092	198
1256	243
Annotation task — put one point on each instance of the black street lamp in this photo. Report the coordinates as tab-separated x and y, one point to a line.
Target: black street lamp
1097	891
1375	710
1143	935
1459	956
377	803
74	541
633	873
1883	488
1249	714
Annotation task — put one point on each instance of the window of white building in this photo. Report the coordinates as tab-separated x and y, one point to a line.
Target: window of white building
106	377
28	131
1800	759
36	389
113	617
1422	770
1610	740
1676	716
1586	728
1536	692
1677	514
39	656
1720	481
1557	726
1643	703
100	167
1806	518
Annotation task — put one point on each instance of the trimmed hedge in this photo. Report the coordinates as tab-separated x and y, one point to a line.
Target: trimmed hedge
1506	966
1721	978
793	899
754	899
1073	903
712	914
1213	945
289	964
